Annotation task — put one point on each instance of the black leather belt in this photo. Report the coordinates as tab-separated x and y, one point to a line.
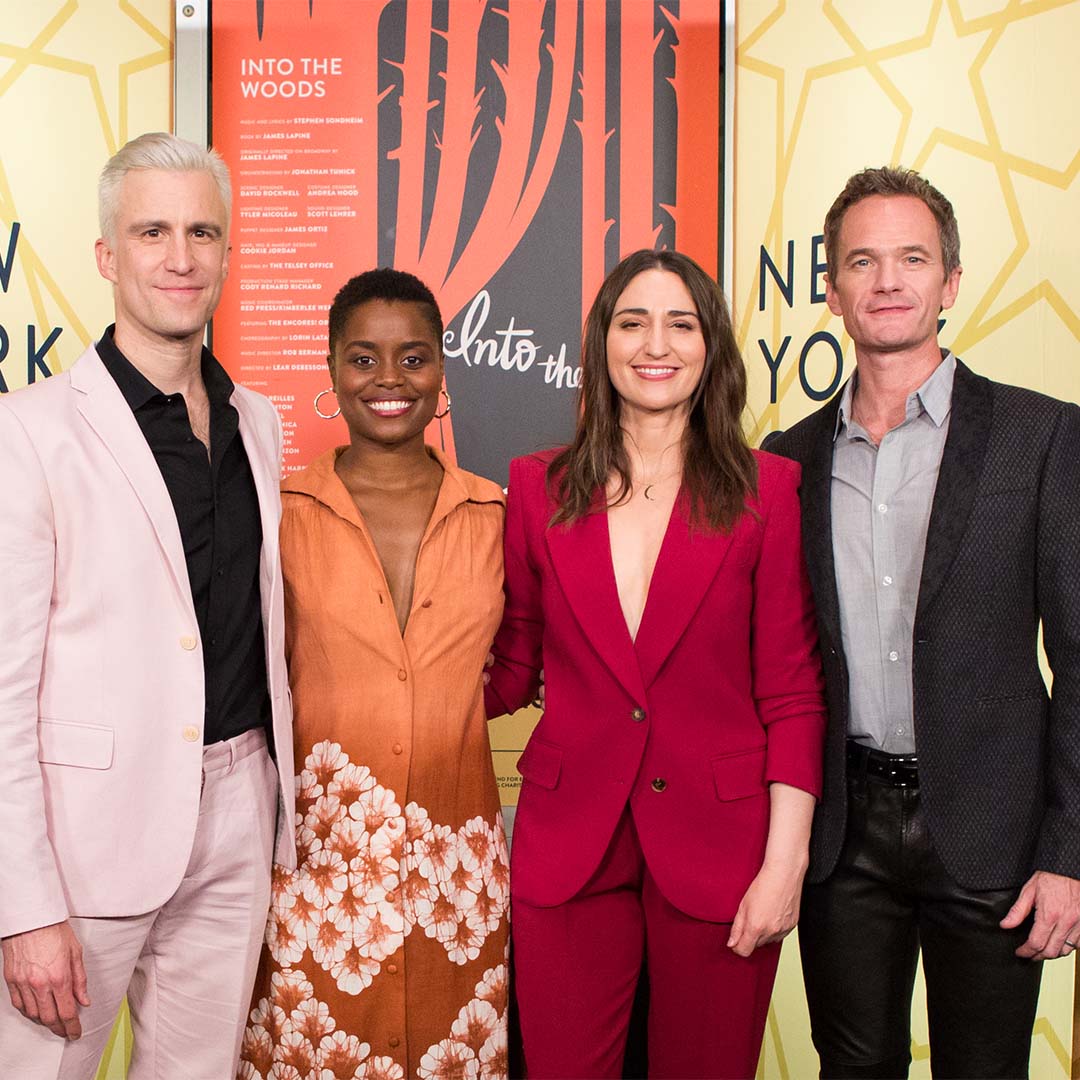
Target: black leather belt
896	770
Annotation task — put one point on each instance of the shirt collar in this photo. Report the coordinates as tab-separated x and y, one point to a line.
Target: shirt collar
138	390
934	397
320	481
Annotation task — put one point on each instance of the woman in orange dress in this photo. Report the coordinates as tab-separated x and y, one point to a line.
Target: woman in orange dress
386	949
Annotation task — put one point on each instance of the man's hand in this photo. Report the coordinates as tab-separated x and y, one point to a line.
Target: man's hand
1056	900
45	977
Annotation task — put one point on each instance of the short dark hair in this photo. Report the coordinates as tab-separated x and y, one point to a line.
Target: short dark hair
892	180
385	283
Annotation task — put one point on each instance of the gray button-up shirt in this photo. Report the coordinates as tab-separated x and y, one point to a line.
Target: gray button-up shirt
881	499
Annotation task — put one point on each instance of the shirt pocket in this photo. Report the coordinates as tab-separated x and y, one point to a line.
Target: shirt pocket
86	746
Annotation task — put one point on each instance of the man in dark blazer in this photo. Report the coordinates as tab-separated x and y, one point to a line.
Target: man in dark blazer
941	517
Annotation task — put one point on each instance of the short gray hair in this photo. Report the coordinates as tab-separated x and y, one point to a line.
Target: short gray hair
157	150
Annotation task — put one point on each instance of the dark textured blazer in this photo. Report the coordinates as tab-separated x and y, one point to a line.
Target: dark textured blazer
999	758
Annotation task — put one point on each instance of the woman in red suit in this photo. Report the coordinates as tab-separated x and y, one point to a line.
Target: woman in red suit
654	571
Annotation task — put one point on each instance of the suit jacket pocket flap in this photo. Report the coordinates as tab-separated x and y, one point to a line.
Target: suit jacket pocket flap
739	775
541	763
88	746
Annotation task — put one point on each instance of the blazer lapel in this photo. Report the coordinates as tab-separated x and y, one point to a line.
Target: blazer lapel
958	478
685	568
105	410
581	555
816	496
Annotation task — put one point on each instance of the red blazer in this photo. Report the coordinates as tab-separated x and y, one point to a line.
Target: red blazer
720	694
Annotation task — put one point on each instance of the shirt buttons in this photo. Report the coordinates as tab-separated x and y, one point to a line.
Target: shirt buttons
894	656
397	748
882	508
391	969
394	1041
659	784
426	603
188	642
886	580
402	674
191	734
638	715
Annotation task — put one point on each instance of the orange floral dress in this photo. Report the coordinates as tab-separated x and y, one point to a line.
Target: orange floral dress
386	950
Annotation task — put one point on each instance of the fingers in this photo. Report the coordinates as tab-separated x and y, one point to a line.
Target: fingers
67	1011
46	979
735	937
1021	909
48	1014
1049	940
78	980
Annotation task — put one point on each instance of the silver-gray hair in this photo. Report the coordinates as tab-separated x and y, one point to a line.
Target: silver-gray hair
157	150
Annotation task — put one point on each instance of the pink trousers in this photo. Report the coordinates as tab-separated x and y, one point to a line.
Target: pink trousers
576	969
187	968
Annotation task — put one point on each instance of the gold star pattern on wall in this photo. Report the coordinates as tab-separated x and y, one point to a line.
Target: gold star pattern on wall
76	80
979	95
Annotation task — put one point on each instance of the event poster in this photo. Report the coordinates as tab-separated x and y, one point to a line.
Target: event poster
508	153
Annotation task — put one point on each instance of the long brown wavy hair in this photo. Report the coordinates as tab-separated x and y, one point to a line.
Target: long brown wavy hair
719	470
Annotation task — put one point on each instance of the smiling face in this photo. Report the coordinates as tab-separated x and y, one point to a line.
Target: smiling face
387	371
655	346
168	255
890	282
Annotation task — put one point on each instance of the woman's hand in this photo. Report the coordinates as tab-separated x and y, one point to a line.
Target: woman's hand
769	908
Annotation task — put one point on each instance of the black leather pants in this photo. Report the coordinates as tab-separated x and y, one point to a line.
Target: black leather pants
860	933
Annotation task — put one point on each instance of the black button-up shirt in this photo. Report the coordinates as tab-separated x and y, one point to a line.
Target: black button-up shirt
217	509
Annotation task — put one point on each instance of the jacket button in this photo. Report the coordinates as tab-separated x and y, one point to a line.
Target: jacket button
638	715
659	784
188	642
191	734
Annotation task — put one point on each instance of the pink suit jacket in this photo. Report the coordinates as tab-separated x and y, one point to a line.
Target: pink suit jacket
101	669
720	695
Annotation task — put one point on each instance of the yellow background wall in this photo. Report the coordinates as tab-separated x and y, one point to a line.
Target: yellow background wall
980	95
77	79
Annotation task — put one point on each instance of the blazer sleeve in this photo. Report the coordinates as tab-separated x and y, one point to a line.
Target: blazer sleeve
788	686
31	895
1058	597
518	649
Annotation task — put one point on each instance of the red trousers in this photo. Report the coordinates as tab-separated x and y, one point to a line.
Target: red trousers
576	970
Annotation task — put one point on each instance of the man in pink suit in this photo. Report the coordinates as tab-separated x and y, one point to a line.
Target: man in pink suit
143	691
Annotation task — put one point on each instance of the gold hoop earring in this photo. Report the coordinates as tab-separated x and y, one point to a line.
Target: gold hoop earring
446	411
318	412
